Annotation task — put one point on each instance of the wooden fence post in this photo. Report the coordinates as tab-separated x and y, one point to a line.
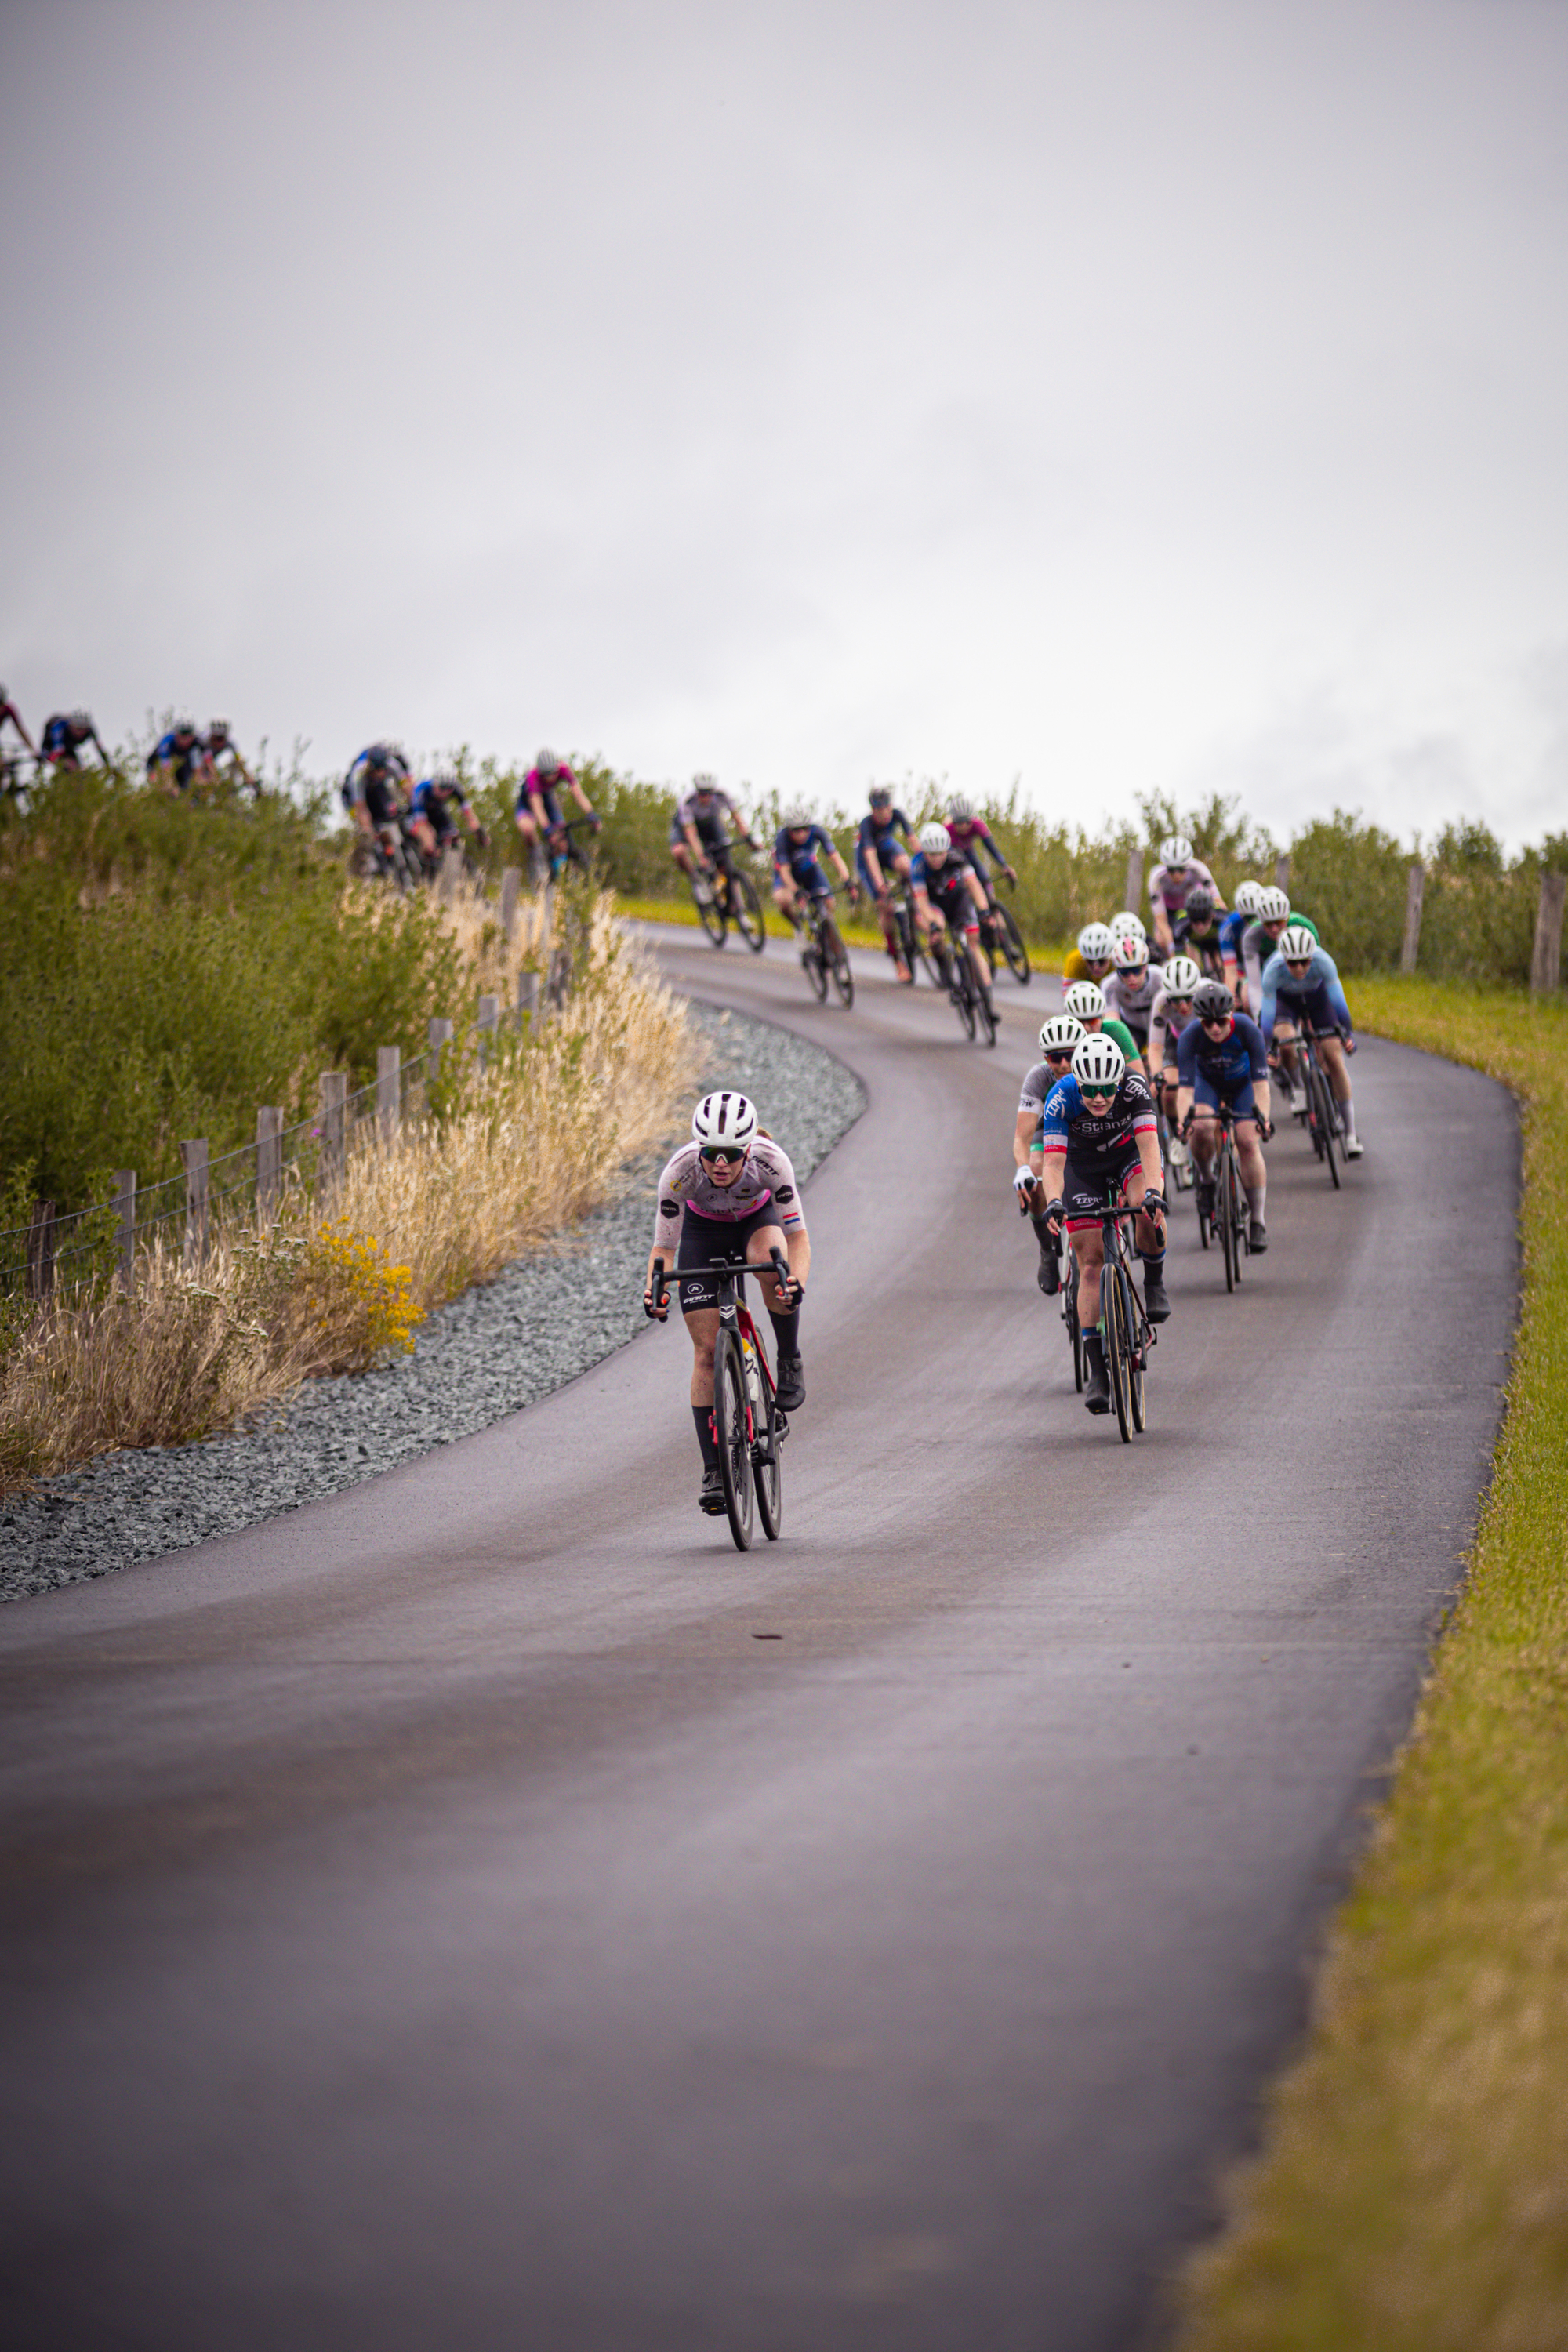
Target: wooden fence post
125	1203
510	884
330	1159
440	1038
268	1161
1134	880
490	1017
1282	872
194	1159
560	975
1414	890
388	1091
41	1250
526	998
1546	963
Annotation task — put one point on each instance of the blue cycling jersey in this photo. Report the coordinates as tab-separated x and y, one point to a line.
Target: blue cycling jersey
1320	980
789	852
1230	931
1228	1063
435	801
1098	1142
881	833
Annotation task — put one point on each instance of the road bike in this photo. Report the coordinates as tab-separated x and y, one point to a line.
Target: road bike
725	894
747	1423
916	951
1323	1122
1126	1333
823	955
967	998
1000	936
562	847
1225	1218
396	854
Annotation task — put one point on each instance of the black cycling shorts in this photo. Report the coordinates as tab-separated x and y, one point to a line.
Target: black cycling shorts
1085	1189
710	1241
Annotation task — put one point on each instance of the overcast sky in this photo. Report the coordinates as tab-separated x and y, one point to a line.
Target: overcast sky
1125	394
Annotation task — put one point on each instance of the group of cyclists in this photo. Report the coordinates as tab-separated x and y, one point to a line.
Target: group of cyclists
183	760
410	822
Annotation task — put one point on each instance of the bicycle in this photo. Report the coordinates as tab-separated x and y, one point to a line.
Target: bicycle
825	954
916	953
1125	1330
396	855
1226	1219
998	926
1322	1112
747	1422
737	903
570	853
964	993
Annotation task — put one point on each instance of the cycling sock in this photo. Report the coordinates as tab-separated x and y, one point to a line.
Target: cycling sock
1154	1262
1255	1193
1347	1115
786	1331
703	1414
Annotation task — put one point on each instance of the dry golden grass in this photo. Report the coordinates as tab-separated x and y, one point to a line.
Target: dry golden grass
499	1158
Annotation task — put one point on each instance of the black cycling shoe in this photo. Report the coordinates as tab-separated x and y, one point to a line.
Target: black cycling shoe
1156	1299
1256	1236
1048	1273
1096	1394
791	1394
711	1496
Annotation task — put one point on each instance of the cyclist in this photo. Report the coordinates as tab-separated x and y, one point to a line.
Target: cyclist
1302	990
698	841
1130	990
1058	1037
1221	1058
797	870
1168	1016
879	856
221	749
1243	914
1098	1135
1262	936
1127	925
1091	959
375	789
64	734
972	838
1085	1000
9	714
434	807
538	816
179	759
945	890
730	1196
1197	929
1170	882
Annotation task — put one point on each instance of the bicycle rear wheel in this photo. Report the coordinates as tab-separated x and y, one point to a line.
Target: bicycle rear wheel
734	1446
1013	948
746	910
1116	1349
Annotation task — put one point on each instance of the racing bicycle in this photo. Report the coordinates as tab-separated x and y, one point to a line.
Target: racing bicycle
1225	1218
1322	1112
750	1428
956	974
1001	938
564	849
725	894
1125	1330
824	955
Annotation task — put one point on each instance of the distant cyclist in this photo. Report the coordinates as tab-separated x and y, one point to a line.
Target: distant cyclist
65	736
882	855
730	1197
1178	873
1221	1059
1133	985
11	717
972	838
1084	1001
1198	930
1301	991
438	802
223	759
539	814
1091	959
798	875
1262	936
1168	1016
700	829
179	759
1058	1037
1243	914
1100	1139
946	899
375	790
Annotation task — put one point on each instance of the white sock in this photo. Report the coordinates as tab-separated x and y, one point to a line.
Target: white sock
1255	1193
1347	1115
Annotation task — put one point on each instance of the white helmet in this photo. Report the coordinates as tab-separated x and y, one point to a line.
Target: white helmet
1297	944
724	1119
1273	906
1085	1000
1095	943
1125	922
797	814
1175	850
1131	952
704	783
1247	895
1099	1063
1061	1032
959	809
1182	976
935	839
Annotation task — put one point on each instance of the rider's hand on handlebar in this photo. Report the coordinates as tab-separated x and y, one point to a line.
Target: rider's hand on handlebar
1153	1204
655	1310
1054	1211
1025	1182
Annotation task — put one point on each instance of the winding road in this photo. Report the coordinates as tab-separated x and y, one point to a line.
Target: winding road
483	1910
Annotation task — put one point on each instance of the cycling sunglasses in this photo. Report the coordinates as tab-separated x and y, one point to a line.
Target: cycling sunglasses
1097	1094
1221	1021
1297	963
1064	1056
718	1155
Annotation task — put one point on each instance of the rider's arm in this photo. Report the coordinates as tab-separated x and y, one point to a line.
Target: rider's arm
1024	1130
1268	1010
874	868
15	716
838	866
694	841
1186	1068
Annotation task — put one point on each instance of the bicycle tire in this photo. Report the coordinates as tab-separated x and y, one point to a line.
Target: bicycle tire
729	1428
1069	1317
1329	1116
816	971
1013	948
746	910
767	1469
837	958
1203	1221
1226	1201
1115	1345
712	916
1135	1397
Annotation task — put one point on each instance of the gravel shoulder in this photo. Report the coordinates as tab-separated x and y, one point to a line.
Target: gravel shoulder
545	1320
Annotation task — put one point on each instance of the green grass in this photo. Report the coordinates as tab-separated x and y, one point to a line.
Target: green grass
1413	2191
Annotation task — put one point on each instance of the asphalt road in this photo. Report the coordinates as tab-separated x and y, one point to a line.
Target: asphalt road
484	1910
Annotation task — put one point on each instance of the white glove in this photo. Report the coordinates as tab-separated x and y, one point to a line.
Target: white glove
1023	1179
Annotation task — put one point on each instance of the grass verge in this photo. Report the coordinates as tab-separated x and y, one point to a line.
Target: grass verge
1412	2195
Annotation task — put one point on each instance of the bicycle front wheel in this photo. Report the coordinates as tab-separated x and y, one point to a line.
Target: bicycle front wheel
837	956
767	1470
734	1442
816	971
710	915
1116	1344
746	909
1069	1317
1137	1351
1013	948
1328	1117
1226	1208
